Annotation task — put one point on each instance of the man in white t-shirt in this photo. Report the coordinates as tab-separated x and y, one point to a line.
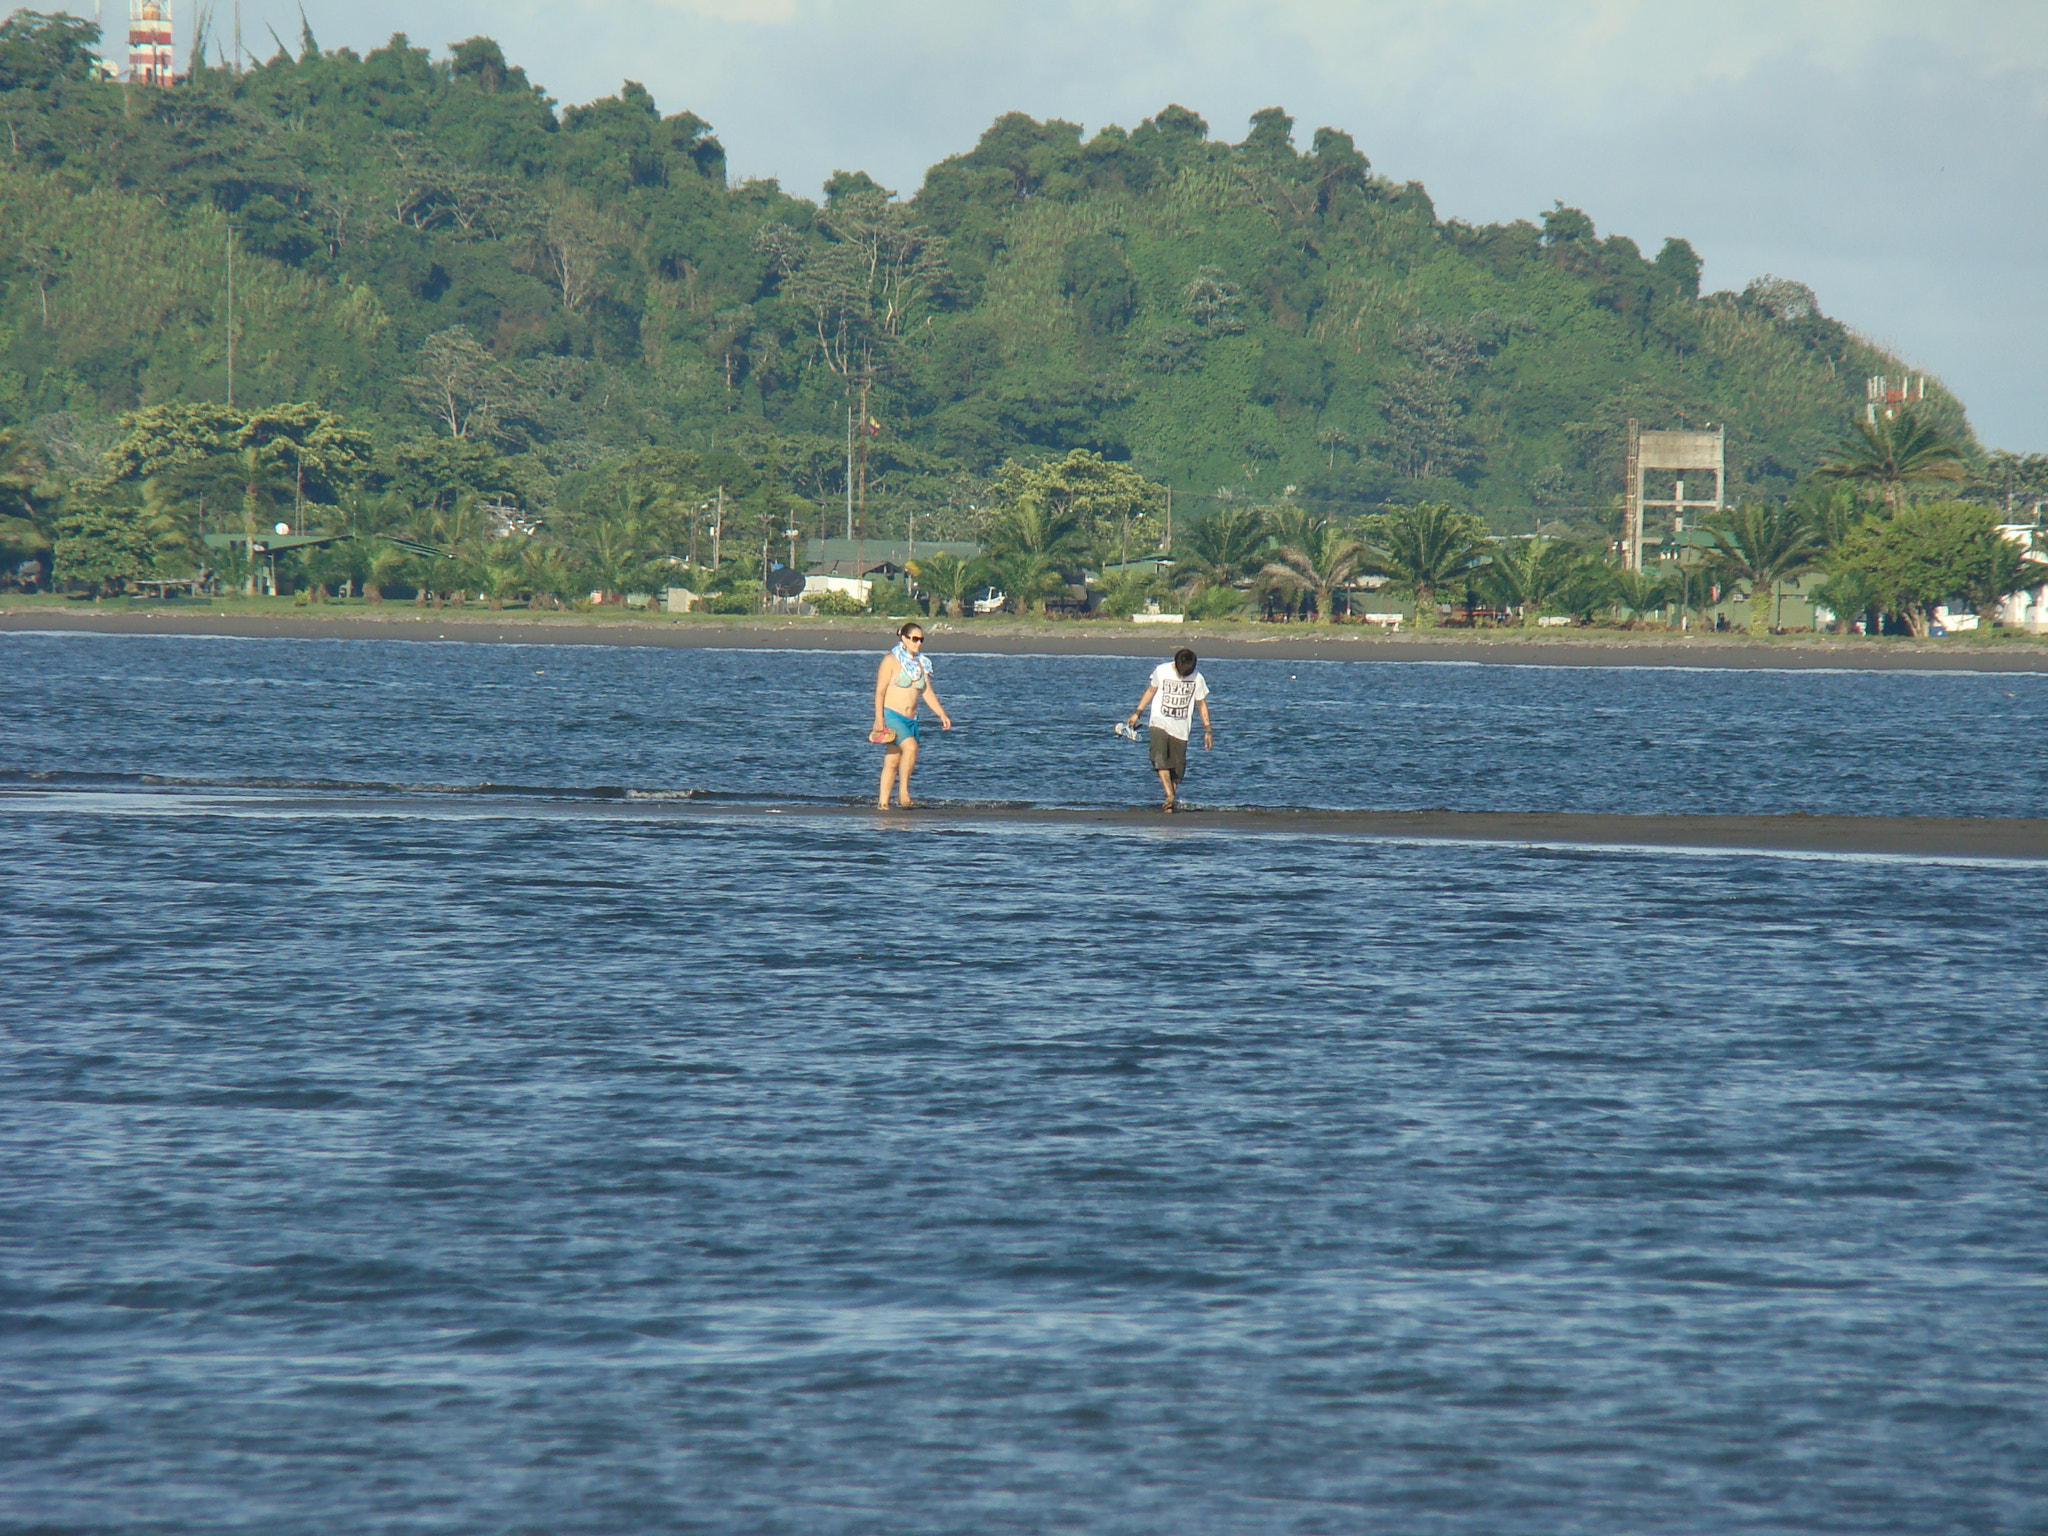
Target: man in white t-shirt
1175	692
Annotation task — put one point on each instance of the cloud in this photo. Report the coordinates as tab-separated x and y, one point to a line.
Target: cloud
759	13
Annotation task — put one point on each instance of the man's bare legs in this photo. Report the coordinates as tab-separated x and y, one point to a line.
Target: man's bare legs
897	763
1168	787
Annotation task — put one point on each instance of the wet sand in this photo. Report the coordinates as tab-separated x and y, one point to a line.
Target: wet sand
1922	837
1088	638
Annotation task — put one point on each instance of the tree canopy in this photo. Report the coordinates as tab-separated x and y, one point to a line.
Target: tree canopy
433	249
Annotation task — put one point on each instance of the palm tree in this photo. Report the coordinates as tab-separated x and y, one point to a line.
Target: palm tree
1317	557
1760	544
1222	549
381	563
1849	593
1028	542
613	555
1637	593
504	568
1528	574
464	531
545	574
1894	453
1425	547
2001	568
947	578
1026	577
1833	509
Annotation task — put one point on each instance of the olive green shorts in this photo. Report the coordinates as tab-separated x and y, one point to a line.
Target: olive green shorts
1169	754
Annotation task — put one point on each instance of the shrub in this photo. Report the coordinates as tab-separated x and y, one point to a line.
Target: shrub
836	605
1217	603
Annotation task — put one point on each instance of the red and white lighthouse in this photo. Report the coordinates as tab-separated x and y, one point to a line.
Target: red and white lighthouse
149	42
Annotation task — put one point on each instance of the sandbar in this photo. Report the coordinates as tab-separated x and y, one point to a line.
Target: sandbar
2012	840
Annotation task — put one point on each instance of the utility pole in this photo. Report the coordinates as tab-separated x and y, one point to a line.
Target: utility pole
1169	519
865	381
1632	504
231	314
717	528
849	464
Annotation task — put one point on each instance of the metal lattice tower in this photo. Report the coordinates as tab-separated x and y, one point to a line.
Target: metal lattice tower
149	42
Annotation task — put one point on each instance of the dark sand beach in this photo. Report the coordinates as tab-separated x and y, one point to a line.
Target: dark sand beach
1086	638
1923	837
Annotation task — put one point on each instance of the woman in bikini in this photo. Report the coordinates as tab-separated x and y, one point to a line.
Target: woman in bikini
901	682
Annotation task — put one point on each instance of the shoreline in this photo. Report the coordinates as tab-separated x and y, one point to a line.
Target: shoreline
1089	638
2002	840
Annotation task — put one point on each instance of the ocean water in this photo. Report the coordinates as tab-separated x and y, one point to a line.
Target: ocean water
444	1162
1032	730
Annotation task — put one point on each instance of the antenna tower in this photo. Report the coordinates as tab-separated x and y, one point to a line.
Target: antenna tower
149	42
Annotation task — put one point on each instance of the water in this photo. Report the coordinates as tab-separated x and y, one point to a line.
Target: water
441	1172
1032	729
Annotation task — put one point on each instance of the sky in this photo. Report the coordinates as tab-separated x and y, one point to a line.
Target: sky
1891	155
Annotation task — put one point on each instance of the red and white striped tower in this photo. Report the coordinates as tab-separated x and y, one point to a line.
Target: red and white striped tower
149	42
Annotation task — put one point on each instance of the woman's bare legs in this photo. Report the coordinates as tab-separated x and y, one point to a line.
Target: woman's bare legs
890	760
896	765
903	774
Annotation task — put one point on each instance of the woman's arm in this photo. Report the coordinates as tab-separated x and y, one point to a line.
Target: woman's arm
881	688
931	695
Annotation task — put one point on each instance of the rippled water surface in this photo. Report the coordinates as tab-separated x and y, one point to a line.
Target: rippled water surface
433	1171
1387	735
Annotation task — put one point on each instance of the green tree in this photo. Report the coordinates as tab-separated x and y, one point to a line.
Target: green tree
1316	557
102	548
1846	591
1532	576
1921	556
1425	547
38	51
546	575
613	552
1891	455
1641	593
459	385
28	499
1998	568
1038	526
324	455
948	579
1095	275
1222	549
1758	545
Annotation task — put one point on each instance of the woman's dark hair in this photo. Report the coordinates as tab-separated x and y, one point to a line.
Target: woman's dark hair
1183	661
907	628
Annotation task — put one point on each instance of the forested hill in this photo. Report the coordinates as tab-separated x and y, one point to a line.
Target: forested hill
434	248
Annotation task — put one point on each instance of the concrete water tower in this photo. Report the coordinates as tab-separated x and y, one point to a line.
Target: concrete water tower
1702	453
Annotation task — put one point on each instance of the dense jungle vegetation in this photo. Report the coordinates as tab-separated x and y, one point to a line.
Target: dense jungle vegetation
449	291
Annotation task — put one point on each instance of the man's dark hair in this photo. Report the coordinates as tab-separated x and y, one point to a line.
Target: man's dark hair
1183	661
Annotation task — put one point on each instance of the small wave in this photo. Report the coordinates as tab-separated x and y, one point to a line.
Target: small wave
71	778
